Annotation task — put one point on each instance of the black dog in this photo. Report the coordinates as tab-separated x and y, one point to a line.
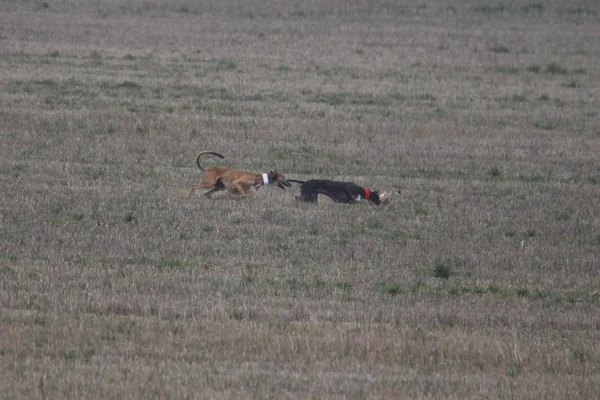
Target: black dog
340	192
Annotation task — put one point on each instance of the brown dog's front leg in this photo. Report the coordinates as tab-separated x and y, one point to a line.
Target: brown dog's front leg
239	188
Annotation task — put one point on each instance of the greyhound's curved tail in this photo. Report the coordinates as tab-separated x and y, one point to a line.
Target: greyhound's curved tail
203	153
296	181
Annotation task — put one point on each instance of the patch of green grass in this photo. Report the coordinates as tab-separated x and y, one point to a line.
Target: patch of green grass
499	48
171	264
578	11
280	244
427	97
78	216
177	330
545	125
47	83
490	8
543	294
494	172
295	284
184	236
515	98
532	178
94	173
594	180
254	97
397	236
555	68
9	257
314	230
332	99
534	7
128	85
361	99
534	68
284	68
418	285
345	287
393	289
421	210
225	65
70	355
580	355
513	369
429	173
492	288
207	227
122	327
444	267
441	270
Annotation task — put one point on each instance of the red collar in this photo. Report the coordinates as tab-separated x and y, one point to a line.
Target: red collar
367	193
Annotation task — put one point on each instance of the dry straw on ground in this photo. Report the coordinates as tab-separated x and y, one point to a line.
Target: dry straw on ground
480	280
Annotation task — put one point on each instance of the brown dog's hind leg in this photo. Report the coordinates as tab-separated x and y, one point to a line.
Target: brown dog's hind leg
193	188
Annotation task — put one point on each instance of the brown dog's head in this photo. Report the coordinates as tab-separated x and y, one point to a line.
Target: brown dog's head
278	179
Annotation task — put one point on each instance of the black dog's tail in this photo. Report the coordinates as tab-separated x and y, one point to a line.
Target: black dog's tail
203	153
296	181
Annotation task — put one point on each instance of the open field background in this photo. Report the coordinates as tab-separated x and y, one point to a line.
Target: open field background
481	281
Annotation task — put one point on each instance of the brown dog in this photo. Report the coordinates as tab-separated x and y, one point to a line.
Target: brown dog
233	180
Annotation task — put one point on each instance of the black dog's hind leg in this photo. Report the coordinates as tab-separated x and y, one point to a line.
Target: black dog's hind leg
311	198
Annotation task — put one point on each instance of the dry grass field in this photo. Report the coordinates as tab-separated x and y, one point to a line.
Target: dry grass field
482	280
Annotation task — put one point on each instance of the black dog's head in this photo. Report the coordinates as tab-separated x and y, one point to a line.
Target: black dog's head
374	198
278	179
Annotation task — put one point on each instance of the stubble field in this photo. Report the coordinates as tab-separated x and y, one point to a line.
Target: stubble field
481	280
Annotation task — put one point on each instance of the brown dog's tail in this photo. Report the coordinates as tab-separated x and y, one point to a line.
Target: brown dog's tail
203	153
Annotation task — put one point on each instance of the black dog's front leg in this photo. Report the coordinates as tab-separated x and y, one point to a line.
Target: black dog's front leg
347	197
308	194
